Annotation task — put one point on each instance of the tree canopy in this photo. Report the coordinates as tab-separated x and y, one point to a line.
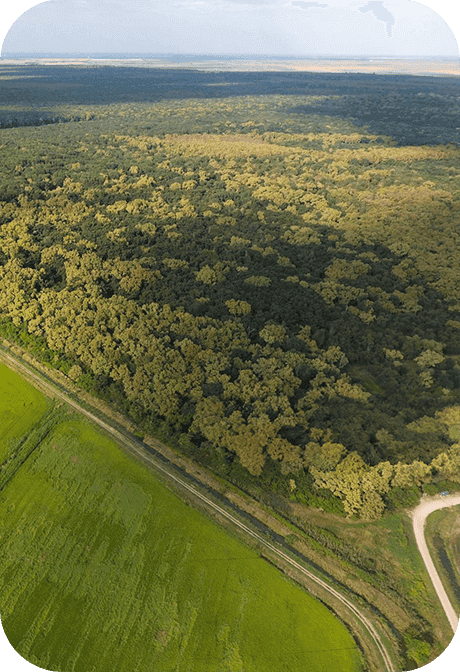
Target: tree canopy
289	296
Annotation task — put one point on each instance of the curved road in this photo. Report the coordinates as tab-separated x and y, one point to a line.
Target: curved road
419	516
38	379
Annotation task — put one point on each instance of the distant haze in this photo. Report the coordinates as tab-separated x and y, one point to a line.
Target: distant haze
236	27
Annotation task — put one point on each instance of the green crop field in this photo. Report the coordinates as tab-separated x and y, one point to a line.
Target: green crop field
103	568
21	406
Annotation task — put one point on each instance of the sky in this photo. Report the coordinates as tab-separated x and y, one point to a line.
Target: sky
276	27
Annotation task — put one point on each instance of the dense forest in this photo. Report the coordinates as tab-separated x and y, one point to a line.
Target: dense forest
267	265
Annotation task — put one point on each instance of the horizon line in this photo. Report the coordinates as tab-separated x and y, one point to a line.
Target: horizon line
149	55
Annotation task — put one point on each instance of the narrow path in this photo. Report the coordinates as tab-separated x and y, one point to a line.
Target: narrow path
419	516
38	380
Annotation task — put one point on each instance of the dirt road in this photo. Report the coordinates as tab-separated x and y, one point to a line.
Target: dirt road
419	516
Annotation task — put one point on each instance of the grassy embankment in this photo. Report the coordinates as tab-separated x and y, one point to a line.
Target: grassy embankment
391	543
103	568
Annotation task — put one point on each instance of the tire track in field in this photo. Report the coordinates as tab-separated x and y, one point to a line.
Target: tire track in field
4	482
56	391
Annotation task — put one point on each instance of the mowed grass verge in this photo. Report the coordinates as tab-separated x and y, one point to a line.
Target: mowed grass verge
102	568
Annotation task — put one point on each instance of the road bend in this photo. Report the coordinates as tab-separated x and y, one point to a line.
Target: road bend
41	380
419	516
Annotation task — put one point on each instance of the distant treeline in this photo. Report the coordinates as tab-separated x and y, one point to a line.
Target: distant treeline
33	120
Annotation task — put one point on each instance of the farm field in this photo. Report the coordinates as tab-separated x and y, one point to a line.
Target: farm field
103	568
21	406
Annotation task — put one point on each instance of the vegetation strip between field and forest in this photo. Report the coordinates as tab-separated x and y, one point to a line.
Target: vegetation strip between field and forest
51	387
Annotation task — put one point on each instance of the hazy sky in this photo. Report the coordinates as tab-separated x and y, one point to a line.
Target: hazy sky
301	27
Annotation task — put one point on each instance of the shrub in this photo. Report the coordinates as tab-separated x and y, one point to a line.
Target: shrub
398	498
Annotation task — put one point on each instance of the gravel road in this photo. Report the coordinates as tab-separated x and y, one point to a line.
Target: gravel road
419	516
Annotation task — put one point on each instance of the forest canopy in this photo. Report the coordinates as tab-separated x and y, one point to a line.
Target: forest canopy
279	286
